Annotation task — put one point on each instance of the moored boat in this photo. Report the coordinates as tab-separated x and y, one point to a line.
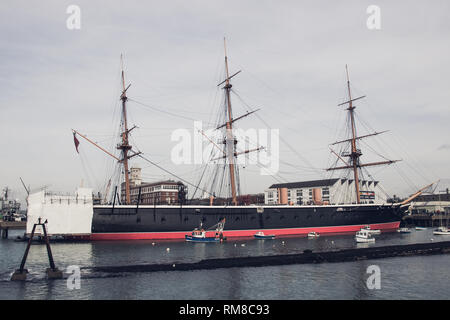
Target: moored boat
172	221
313	234
442	231
364	236
195	237
261	235
134	219
199	235
371	231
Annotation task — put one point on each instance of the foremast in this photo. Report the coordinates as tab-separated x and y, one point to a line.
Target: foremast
124	146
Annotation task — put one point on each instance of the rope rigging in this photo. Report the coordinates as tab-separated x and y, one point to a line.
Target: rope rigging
171	173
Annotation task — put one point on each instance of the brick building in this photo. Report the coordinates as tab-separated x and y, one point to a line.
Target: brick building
161	192
321	192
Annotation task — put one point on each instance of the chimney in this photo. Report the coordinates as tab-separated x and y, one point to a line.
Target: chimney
317	196
282	196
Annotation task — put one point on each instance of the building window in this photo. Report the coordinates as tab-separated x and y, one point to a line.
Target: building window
326	194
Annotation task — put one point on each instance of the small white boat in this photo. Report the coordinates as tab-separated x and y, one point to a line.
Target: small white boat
371	231
404	230
261	235
421	228
313	234
442	231
364	236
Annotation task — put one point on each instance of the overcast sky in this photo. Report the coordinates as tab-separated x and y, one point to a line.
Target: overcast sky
292	55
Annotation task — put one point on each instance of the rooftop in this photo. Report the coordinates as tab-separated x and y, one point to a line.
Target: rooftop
315	183
151	184
305	184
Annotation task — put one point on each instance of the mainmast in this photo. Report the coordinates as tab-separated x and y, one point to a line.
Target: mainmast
230	141
230	152
355	153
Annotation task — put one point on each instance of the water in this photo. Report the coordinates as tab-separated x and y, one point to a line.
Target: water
420	277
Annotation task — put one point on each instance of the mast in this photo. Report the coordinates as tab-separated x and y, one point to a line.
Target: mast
230	141
355	153
125	147
230	151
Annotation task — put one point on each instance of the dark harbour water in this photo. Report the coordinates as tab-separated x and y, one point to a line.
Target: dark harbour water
420	277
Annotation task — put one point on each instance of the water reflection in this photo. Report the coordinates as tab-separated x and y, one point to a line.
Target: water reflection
412	277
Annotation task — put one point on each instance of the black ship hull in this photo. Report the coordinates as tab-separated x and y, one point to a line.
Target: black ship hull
174	222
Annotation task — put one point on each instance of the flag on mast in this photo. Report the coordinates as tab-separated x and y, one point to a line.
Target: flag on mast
75	140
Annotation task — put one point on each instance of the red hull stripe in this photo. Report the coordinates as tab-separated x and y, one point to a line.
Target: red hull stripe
384	227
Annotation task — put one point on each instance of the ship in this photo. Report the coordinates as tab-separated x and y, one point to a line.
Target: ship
128	220
10	208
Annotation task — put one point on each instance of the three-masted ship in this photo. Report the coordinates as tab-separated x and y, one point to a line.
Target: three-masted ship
129	220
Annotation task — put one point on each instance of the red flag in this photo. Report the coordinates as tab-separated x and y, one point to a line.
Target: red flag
75	140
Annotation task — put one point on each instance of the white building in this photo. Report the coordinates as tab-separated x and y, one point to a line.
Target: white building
328	191
135	176
69	215
431	203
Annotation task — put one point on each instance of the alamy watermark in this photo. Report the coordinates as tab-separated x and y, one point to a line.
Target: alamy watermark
374	280
74	279
250	147
374	20
73	22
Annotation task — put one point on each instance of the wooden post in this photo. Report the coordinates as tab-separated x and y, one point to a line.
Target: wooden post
52	272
